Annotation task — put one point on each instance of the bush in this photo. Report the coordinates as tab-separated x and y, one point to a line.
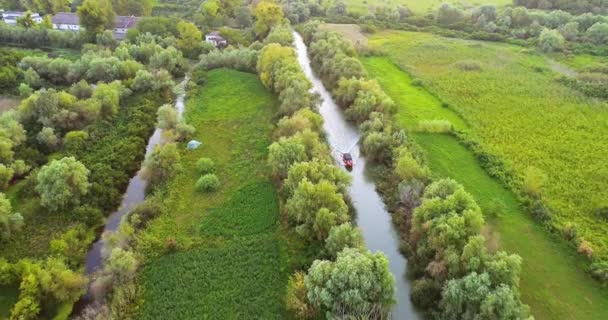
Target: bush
356	271
551	40
205	166
425	293
208	183
296	299
199	74
435	126
341	237
469	65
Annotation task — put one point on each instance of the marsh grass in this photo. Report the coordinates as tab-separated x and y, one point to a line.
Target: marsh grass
234	257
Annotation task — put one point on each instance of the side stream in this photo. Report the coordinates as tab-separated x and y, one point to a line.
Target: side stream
371	217
135	194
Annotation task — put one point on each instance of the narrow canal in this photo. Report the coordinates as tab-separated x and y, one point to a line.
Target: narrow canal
135	194
372	217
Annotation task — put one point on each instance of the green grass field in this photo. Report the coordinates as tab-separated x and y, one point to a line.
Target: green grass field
236	263
516	110
417	6
552	282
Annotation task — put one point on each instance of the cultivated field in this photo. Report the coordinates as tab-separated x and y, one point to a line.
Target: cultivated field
516	111
418	6
552	281
235	264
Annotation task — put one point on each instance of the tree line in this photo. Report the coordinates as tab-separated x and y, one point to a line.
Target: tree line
457	278
72	149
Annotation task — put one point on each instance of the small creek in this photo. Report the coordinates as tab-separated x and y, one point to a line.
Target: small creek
372	216
135	194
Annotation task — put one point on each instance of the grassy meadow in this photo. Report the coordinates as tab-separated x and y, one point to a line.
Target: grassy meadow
418	6
234	258
517	111
552	281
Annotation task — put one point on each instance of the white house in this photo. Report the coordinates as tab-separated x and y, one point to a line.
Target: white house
216	39
71	21
10	17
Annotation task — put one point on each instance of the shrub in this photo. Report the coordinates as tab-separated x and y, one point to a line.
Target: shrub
585	248
425	293
341	237
316	208
184	131
469	65
62	183
75	141
551	40
435	126
208	183
365	275
199	74
408	168
282	154
534	180
6	175
449	15
205	165
296	298
161	164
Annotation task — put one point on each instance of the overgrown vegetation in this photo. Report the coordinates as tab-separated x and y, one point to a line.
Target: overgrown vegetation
430	213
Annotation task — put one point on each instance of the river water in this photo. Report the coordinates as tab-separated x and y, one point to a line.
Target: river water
135	194
372	217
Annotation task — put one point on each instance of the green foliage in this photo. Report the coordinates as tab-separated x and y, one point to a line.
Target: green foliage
408	168
364	275
166	117
207	183
267	15
280	72
250	210
550	40
435	126
62	183
314	171
189	39
161	164
474	296
296	299
6	175
315	208
205	165
449	15
284	153
301	120
341	237
75	140
96	16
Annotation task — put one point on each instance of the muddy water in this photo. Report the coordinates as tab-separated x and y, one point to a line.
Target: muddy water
134	195
372	217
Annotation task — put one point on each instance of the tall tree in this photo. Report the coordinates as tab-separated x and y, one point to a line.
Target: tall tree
190	38
62	183
96	16
267	15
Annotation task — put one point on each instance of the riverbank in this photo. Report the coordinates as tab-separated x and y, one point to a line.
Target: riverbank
551	279
371	215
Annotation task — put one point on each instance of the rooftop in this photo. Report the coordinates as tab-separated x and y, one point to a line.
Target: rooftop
66	18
